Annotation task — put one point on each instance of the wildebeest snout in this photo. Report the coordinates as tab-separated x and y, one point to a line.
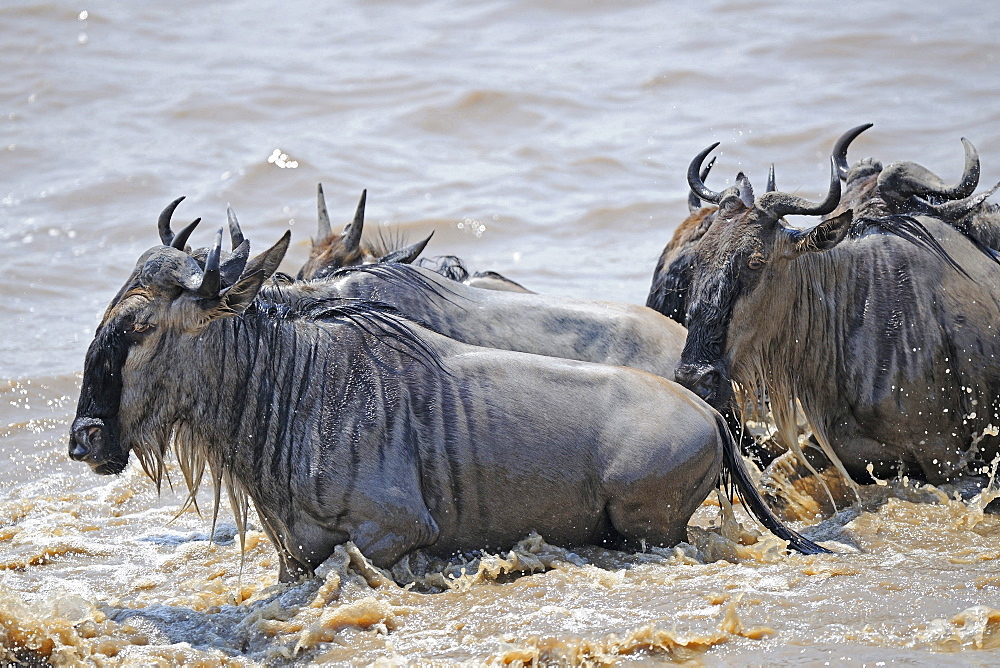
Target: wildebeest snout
86	438
702	379
90	441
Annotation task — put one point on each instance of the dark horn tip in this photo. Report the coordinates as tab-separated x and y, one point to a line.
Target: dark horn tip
180	241
840	148
695	181
163	222
211	282
235	233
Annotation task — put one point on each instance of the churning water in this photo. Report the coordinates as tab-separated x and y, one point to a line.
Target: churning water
547	140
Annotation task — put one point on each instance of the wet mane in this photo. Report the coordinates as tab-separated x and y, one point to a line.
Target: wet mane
909	229
401	274
276	327
448	266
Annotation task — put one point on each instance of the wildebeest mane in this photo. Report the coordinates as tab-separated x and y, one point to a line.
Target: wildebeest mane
382	321
449	266
403	274
377	319
909	229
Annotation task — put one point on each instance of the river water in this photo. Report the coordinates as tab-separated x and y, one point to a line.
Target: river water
547	140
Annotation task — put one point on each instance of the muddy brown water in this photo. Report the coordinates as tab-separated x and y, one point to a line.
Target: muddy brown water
545	140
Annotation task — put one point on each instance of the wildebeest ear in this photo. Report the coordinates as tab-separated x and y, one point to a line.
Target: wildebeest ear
241	295
269	260
406	254
824	236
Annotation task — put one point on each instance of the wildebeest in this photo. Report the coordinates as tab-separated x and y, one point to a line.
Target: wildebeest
345	422
331	252
907	188
578	329
881	328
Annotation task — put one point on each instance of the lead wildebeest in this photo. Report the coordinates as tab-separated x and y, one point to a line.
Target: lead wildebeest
881	328
345	422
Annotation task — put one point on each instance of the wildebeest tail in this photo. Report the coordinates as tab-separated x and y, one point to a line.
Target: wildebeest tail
735	474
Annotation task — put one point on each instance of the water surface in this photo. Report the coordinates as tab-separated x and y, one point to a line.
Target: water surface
545	140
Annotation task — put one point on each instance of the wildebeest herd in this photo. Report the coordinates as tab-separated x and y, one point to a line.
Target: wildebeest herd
407	404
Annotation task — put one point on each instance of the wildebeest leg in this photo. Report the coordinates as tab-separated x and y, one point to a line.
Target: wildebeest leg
385	541
290	568
866	460
655	510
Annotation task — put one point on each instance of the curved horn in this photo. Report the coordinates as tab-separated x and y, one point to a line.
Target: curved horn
783	204
964	188
324	230
771	184
352	233
955	209
235	233
694	180
694	202
970	175
211	282
840	149
180	241
163	222
900	180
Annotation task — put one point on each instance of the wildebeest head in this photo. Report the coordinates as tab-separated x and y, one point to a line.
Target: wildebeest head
900	181
671	278
331	251
169	294
746	240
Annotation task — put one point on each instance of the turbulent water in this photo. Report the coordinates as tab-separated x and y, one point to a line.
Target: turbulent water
545	140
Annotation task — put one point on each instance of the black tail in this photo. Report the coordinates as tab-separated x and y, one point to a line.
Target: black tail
735	474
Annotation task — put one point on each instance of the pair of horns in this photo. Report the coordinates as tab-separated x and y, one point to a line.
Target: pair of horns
902	180
219	275
179	240
351	233
694	200
779	204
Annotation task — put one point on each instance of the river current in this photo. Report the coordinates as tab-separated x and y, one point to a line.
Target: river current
547	140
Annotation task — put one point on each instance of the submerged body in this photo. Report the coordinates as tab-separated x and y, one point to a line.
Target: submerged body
475	454
585	330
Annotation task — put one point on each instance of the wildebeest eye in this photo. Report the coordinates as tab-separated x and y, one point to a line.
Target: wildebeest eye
754	263
141	327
